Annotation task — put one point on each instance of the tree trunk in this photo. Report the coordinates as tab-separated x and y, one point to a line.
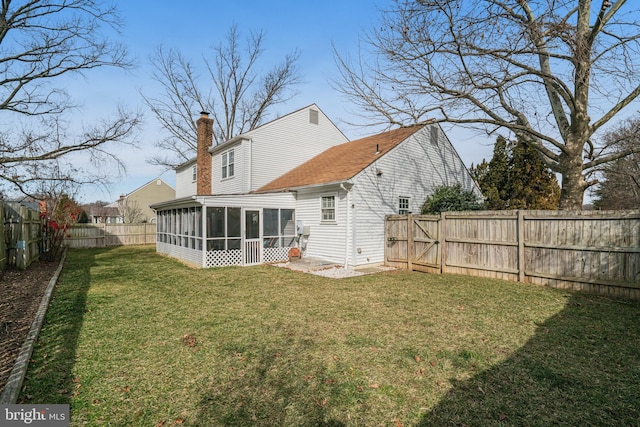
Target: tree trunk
573	182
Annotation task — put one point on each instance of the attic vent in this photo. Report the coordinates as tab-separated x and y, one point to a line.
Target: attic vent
313	117
434	134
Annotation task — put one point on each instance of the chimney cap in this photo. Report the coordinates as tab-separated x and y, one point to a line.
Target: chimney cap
204	113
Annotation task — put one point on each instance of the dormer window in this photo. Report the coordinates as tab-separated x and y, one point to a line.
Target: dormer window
228	163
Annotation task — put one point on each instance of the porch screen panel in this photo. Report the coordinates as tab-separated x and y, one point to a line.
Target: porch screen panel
159	227
234	228
279	233
287	227
216	225
173	226
198	228
270	228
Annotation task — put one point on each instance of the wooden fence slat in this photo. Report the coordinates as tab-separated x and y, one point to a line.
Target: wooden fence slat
104	235
591	250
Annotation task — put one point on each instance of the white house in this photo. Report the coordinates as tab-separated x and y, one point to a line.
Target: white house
298	182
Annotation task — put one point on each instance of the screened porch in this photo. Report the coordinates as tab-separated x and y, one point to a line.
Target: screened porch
217	236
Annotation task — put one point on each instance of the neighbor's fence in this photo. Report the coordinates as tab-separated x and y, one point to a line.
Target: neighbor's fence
102	235
594	251
22	231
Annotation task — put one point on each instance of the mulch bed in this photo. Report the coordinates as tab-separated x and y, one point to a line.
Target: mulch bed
20	296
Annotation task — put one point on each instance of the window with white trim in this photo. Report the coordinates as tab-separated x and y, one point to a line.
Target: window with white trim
328	209
403	205
228	163
194	173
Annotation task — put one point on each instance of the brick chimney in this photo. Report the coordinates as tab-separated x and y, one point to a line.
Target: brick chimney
204	127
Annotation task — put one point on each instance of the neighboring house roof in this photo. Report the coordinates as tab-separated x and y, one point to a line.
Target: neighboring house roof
341	162
153	181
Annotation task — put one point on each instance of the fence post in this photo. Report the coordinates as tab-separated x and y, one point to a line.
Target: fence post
520	245
442	238
409	241
3	245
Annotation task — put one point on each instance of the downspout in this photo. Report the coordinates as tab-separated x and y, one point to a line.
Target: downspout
346	231
249	168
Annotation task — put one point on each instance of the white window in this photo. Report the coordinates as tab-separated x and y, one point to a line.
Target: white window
328	208
227	164
194	173
403	205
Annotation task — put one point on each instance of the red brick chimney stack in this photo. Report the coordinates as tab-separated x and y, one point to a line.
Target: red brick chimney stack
204	127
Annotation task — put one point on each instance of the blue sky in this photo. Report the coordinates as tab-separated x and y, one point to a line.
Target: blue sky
193	26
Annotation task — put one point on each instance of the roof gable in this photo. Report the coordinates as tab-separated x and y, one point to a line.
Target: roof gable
341	162
153	181
250	133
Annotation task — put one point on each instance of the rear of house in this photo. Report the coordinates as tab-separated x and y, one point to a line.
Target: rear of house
329	199
343	195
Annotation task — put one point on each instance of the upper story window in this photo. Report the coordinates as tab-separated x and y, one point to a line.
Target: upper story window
228	163
194	173
328	208
403	205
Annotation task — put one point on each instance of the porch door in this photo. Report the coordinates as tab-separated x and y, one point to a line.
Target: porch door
252	238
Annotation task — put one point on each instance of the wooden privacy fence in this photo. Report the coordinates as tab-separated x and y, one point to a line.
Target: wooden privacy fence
22	232
102	235
594	251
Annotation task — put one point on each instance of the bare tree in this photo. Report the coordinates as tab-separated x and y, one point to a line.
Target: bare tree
620	186
129	211
550	72
237	95
41	41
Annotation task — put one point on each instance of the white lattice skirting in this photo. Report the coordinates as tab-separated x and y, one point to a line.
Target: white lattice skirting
275	255
221	258
224	258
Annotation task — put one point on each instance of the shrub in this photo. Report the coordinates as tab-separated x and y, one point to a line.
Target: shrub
451	198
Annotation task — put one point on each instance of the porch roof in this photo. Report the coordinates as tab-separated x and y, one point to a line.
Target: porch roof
263	200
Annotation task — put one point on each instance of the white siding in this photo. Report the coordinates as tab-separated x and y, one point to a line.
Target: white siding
326	240
191	256
236	183
252	201
283	144
265	153
412	169
185	185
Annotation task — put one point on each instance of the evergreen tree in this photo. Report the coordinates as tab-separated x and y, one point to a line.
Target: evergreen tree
84	218
516	178
492	176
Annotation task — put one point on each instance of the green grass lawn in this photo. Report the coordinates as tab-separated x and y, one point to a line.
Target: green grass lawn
134	338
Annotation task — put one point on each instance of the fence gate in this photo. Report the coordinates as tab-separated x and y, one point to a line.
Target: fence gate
413	242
